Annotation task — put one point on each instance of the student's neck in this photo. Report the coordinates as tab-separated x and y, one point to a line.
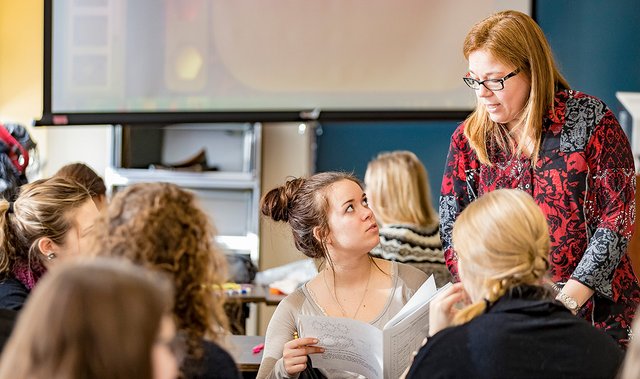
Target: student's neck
351	270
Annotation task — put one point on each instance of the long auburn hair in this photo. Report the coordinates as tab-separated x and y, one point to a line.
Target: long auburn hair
160	226
514	38
95	318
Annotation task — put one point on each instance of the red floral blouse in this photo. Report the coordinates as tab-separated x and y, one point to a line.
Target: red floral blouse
584	181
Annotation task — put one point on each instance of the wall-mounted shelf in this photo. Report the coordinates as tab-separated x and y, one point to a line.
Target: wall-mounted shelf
228	185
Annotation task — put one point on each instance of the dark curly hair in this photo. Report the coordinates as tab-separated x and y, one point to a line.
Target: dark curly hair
160	226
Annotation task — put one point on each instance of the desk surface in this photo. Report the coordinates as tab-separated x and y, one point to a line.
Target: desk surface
242	352
256	294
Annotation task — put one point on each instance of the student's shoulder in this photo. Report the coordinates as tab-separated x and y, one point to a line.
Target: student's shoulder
13	294
292	302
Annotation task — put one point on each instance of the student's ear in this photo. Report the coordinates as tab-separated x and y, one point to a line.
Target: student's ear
47	247
318	236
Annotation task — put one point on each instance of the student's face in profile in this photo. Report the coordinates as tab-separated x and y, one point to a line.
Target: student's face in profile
163	359
76	239
503	106
352	224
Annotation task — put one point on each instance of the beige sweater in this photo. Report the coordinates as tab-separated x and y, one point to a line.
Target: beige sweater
405	281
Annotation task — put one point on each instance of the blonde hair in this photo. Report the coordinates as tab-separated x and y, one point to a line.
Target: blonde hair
514	38
398	188
41	210
160	226
88	319
502	241
631	366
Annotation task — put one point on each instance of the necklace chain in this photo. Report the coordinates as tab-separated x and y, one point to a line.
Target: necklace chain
335	296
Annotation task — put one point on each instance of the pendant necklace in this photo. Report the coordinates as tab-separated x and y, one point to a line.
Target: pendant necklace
335	297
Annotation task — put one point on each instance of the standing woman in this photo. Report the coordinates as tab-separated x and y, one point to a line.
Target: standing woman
331	221
49	221
531	131
400	196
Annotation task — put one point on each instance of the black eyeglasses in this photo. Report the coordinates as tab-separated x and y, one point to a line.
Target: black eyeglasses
490	84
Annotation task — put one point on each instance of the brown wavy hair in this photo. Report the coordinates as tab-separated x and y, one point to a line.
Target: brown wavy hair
160	226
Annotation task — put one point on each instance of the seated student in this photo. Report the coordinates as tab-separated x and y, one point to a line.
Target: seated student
160	226
631	366
85	175
94	319
331	221
7	322
400	196
513	327
49	221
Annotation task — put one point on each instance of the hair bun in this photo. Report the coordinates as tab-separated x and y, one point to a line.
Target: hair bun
276	203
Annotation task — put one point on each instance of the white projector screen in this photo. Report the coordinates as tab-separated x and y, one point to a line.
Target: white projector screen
121	56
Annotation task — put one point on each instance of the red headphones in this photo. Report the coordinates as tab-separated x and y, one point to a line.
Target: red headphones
17	153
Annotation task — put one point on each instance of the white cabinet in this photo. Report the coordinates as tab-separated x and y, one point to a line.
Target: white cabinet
227	187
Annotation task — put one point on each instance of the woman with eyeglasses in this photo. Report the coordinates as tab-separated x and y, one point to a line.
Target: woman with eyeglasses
530	131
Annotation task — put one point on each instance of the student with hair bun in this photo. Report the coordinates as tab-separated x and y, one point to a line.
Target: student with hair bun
331	221
49	221
513	327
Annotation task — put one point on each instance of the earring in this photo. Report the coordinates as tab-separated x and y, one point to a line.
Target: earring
51	256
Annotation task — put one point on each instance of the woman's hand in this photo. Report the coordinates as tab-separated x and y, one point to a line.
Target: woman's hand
295	354
442	310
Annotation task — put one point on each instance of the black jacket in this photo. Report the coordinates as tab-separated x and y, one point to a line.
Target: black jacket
216	363
13	294
520	336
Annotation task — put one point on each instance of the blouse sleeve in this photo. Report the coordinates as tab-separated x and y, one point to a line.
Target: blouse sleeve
609	204
459	188
280	331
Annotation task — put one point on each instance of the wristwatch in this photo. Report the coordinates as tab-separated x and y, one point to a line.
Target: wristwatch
568	301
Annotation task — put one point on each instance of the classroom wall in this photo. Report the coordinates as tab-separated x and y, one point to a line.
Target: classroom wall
21	30
347	146
21	57
595	43
596	46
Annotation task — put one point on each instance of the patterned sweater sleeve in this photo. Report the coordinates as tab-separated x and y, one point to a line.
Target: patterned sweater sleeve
610	201
458	189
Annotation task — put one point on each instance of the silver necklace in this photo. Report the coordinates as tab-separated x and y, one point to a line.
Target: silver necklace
335	297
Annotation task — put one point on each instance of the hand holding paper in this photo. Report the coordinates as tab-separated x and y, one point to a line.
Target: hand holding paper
442	309
295	353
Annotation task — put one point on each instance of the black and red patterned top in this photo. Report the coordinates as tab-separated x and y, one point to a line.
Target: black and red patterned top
584	181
